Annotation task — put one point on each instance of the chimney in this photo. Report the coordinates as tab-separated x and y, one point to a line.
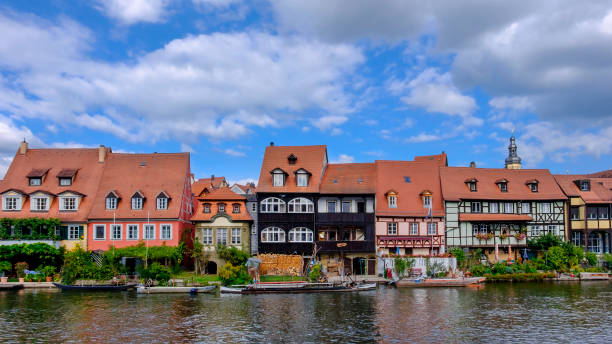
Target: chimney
271	143
212	177
101	153
473	164
23	147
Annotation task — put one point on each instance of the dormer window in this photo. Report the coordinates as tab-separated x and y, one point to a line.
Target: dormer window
162	201
426	197
585	185
65	181
137	201
69	201
533	185
221	207
236	208
279	177
206	207
302	177
502	184
392	199
292	159
40	201
36	176
66	176
35	181
471	183
111	201
12	200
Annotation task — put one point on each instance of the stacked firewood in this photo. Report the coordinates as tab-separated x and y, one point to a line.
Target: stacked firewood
280	264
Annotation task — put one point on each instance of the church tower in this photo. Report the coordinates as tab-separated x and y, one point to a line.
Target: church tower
513	161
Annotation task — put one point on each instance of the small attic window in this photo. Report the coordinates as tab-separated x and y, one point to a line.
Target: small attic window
503	185
36	176
35	181
292	159
392	199
533	185
406	179
471	183
584	185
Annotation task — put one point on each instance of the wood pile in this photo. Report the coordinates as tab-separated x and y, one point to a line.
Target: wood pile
280	264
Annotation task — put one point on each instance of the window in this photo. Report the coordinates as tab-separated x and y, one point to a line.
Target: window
136	203
392	201
585	185
39	204
165	232
551	229
221	207
533	187
301	205
476	207
11	203
148	232
503	187
302	179
236	208
536	230
35	181
222	236
272	234
525	208
432	228
392	228
68	203
253	229
472	186
132	232
592	213
207	207
115	232
162	203
111	203
508	208
427	201
328	234
575	213
236	240
272	205
595	242
545	207
331	206
494	207
577	238
279	179
414	228
73	232
300	234
99	232
479	229
207	236
346	206
65	181
603	213
254	207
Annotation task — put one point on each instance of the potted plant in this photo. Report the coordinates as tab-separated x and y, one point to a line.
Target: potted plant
520	236
47	272
5	267
20	268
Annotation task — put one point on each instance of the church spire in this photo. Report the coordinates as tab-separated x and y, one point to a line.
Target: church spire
513	161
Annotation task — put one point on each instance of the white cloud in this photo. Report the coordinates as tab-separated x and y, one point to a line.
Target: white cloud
242	181
512	103
234	152
186	148
327	122
343	159
422	137
134	11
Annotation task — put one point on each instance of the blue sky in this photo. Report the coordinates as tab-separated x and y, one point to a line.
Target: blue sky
371	80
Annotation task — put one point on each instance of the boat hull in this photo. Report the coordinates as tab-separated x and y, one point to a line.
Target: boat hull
175	290
445	282
11	287
290	289
98	287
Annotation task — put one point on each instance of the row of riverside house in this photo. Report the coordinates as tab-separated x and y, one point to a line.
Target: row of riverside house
347	216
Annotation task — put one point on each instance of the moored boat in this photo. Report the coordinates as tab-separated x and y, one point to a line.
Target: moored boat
12	286
439	282
170	290
95	287
295	288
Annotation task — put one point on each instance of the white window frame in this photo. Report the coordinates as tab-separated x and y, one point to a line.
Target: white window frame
343	203
221	236
272	235
585	185
37	183
432	228
162	203
161	231
533	187
254	207
300	205
95	231
207	236
301	234
34	206
73	232
526	207
111	203
474	205
127	231
235	208
221	207
137	203
392	199
335	207
508	207
427	201
493	208
391	228
116	228
144	231
536	230
13	207
65	199
546	207
236	236
577	238
273	205
206	208
279	179
551	229
62	181
414	228
302	179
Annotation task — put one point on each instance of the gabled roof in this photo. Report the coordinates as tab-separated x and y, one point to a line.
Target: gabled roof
246	189
37	173
112	193
354	178
137	193
454	187
599	192
310	158
67	173
71	192
221	195
409	179
163	194
207	183
602	174
438	159
147	173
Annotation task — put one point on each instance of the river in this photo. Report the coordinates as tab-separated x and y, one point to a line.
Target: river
519	313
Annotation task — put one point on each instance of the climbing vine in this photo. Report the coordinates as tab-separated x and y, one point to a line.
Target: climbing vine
32	228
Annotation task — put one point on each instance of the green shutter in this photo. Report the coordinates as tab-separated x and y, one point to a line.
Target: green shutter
64	233
80	232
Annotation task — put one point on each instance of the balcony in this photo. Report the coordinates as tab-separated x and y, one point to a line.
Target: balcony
344	218
345	246
286	217
301	248
412	241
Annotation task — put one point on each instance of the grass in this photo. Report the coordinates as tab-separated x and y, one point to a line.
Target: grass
197	279
270	278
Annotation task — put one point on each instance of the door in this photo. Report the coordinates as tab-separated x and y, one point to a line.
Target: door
371	266
361	207
347	266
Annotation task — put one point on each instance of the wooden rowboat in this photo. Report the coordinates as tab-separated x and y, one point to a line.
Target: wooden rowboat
95	287
169	290
294	288
439	282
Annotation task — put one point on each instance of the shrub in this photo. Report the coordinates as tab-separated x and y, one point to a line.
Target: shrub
544	242
157	272
232	254
230	274
479	270
20	269
556	257
591	258
47	271
606	257
315	273
459	254
5	267
499	268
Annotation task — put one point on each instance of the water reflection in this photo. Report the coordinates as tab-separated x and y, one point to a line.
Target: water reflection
495	313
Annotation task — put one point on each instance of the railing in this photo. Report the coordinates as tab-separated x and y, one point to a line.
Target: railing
346	246
413	241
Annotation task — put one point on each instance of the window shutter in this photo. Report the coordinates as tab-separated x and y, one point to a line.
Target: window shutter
64	233
80	232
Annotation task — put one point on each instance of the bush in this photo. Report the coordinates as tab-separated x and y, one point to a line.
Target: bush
459	254
47	271
78	264
157	272
231	275
544	242
479	270
591	258
232	254
36	255
315	273
556	257
5	267
20	269
606	257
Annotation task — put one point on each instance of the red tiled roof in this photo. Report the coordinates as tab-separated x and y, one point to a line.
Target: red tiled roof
493	217
454	187
206	183
222	195
602	174
53	162
37	172
246	188
149	174
599	192
355	178
67	173
439	159
421	176
311	158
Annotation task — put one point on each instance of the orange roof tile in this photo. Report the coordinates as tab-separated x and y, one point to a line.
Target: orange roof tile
599	193
409	179
355	178
602	174
222	195
439	159
54	162
311	158
150	174
207	183
494	217
454	187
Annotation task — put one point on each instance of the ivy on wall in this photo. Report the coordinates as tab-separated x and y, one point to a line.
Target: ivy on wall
32	228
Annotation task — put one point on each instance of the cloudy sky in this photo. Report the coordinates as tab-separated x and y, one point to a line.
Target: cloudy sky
371	79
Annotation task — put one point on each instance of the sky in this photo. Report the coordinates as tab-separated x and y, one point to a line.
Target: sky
370	79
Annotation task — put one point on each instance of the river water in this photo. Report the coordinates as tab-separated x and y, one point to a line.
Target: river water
520	313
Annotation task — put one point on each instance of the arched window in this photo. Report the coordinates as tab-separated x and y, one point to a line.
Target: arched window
300	234
273	205
272	234
301	205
